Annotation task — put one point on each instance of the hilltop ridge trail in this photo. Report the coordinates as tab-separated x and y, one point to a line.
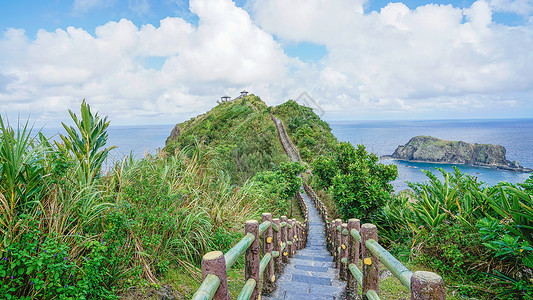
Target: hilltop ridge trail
289	147
311	274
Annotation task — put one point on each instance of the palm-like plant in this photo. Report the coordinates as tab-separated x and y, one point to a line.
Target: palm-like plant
21	171
459	197
21	166
515	206
87	145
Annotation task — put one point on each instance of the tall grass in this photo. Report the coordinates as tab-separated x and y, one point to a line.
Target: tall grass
70	231
21	171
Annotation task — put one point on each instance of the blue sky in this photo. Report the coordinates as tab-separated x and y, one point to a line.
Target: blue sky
33	15
166	61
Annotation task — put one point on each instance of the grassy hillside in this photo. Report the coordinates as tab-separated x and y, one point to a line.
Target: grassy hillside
70	231
242	134
308	132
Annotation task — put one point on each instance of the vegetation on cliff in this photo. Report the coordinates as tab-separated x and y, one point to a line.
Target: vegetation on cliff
240	132
70	231
308	132
478	237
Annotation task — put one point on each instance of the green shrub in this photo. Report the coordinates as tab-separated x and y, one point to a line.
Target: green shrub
308	132
358	183
280	186
42	267
455	253
463	229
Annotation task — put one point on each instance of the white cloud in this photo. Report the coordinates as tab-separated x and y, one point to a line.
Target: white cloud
432	61
58	69
399	59
306	20
520	7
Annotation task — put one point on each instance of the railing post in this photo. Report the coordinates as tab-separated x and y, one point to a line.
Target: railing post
277	245
306	229
301	231
427	286
268	275
331	240
370	261
328	237
293	240
251	268
300	235
285	253
338	241
344	251
297	235
353	257
214	263
326	232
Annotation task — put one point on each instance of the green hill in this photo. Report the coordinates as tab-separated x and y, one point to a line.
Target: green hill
245	138
308	132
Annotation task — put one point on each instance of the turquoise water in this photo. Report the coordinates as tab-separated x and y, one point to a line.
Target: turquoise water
382	138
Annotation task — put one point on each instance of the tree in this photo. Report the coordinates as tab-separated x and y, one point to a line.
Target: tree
358	183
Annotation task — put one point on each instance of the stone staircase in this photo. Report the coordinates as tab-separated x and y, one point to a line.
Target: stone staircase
311	274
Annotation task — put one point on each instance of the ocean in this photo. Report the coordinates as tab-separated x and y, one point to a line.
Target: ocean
134	139
379	137
382	138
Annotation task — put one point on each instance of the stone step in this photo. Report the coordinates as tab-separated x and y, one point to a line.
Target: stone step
311	279
319	258
311	268
311	273
293	289
314	263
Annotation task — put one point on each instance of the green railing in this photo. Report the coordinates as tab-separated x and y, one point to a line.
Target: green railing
265	247
348	242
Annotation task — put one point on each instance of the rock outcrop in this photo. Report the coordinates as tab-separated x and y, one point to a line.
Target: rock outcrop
173	134
431	149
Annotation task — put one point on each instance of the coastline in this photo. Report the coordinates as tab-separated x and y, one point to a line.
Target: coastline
498	167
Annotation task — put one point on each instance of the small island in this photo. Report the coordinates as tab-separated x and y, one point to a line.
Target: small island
434	150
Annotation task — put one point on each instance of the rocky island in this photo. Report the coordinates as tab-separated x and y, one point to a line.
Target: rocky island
434	150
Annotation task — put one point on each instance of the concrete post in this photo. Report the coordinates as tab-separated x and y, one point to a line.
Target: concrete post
427	286
268	275
285	252
344	251
370	261
353	257
251	257
214	263
278	266
338	241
